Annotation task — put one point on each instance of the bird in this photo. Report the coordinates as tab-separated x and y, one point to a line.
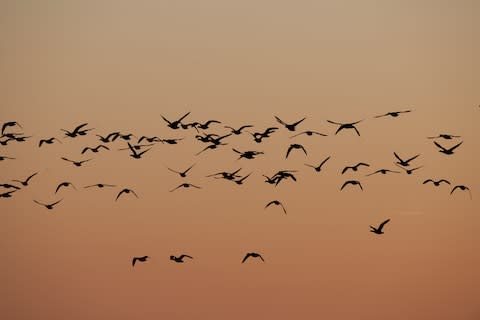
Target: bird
185	185
282	175
295	146
25	182
126	191
258	136
149	139
247	154
182	174
21	138
210	147
436	183
309	133
205	125
126	136
382	171
277	203
393	114
290	127
253	255
226	175
378	230
404	163
463	188
179	259
319	167
342	126
6	141
239	130
78	131
96	149
9	186
100	185
109	138
65	184
218	140
352	182
207	138
137	146
141	259
10	124
76	163
7	194
175	124
408	171
48	141
240	181
135	154
48	206
355	167
444	136
5	158
447	151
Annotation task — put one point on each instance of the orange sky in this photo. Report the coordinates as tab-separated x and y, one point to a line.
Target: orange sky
120	65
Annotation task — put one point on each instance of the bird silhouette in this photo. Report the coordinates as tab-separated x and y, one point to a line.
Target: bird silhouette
136	146
126	136
355	167
149	139
408	171
240	181
175	124
76	163
404	163
352	182
9	186
64	184
207	138
295	146
100	185
7	194
319	167
7	124
247	154
290	127
135	154
253	255
126	191
277	203
259	136
185	185
26	181
109	138
447	151
141	259
342	126
378	230
48	206
21	138
239	130
179	259
463	188
218	140
393	114
78	131
48	141
210	147
382	171
171	141
436	183
226	175
308	133
182	174
444	136
6	158
283	175
205	125
94	150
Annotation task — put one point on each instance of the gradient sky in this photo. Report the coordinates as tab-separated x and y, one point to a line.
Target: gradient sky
120	65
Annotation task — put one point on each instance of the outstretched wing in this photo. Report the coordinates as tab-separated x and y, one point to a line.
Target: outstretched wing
288	151
438	145
382	224
248	255
185	256
298	122
280	121
456	146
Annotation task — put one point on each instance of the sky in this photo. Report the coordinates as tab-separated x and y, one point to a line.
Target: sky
122	65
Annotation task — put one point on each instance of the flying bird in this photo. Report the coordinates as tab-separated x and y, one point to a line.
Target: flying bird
277	203
185	185
239	130
210	147
352	182
126	191
100	185
463	188
78	131
319	167
9	186
308	133
25	182
447	151
135	154
378	230
404	163
295	146
149	139
247	154
444	136
7	194
342	126
180	258
382	171
109	138
393	114
171	141
253	255
355	167
48	206
96	149
48	141
76	163
240	181
141	259
436	183
182	174
205	125
65	184
175	124
10	124
290	127
408	171
226	175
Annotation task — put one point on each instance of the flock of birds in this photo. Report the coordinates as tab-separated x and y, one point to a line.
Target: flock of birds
214	141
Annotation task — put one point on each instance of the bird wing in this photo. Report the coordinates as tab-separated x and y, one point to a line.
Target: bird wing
382	224
67	159
298	122
78	128
427	181
304	150
86	149
237	151
280	121
288	151
184	172
363	164
42	204
270	203
360	185
143	152
443	180
119	194
383	115
184	256
195	186
183	116
165	119
260	256
356	131
345	169
285	211
456	146
454	188
245	126
56	202
41	142
412	158
103	146
334	122
58	187
133	261
176	188
31	176
344	184
438	145
398	157
246	257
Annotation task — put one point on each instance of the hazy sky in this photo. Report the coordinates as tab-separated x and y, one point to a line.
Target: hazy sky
120	65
